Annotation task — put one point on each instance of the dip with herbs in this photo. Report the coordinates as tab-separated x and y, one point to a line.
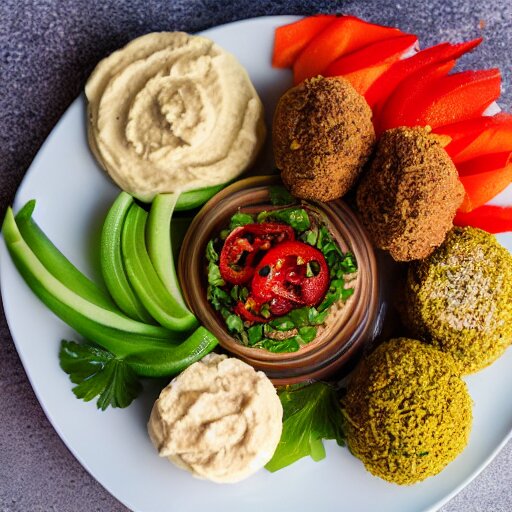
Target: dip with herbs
277	276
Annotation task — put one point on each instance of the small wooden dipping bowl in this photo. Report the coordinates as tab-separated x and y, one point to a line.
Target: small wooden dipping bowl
336	346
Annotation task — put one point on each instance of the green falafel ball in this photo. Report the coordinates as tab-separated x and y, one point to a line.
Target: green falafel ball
460	298
407	411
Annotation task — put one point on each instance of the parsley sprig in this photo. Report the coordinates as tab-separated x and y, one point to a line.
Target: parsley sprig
98	373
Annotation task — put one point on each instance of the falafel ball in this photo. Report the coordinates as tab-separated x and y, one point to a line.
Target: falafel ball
322	136
408	413
409	196
460	298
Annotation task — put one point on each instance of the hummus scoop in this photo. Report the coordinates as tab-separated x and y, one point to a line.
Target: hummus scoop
220	419
172	112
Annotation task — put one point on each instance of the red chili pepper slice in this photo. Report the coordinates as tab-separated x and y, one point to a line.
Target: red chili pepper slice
247	314
283	274
243	244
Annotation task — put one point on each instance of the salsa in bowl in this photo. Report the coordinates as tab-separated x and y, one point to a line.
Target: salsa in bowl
288	286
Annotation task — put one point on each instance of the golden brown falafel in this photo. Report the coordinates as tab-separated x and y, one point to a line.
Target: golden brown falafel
322	136
460	298
409	196
408	413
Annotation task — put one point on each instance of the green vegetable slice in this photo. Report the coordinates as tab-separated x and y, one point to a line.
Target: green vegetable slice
159	243
310	413
112	266
162	362
56	263
162	306
99	373
49	288
195	198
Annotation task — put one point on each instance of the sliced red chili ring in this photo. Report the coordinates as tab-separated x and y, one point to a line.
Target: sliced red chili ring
243	244
248	315
283	273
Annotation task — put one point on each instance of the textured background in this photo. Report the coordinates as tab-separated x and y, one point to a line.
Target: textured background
47	50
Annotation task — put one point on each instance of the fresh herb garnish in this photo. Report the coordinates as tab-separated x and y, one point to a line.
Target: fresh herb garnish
301	324
98	373
311	413
240	219
279	196
297	218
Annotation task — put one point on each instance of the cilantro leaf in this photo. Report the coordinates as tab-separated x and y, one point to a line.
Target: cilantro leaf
279	196
98	373
214	276
297	218
240	219
311	413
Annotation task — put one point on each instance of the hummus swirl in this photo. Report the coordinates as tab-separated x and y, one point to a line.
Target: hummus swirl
219	419
172	112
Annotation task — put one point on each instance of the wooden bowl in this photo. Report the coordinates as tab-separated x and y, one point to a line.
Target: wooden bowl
336	347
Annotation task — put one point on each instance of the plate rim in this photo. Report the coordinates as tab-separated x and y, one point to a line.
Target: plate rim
280	19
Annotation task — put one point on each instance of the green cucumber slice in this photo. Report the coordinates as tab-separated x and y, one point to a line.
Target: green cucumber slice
162	306
39	278
161	363
194	198
112	266
56	263
159	243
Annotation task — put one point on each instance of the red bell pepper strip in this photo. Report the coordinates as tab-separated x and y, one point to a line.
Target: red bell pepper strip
478	136
282	273
437	99
382	88
490	218
458	97
242	245
290	39
483	178
362	67
344	35
400	107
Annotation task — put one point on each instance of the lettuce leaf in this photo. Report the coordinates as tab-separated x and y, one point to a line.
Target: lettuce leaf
311	414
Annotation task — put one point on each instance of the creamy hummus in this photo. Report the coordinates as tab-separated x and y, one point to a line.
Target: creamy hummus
172	112
219	419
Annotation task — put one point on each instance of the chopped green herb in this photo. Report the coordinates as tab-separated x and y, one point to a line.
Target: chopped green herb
214	277
282	323
279	346
240	219
297	218
234	323
255	333
279	196
307	334
211	253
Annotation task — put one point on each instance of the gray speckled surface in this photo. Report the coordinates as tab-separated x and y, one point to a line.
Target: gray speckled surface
47	49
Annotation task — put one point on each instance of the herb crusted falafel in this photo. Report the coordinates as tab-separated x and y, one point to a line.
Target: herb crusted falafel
409	196
460	298
322	136
408	413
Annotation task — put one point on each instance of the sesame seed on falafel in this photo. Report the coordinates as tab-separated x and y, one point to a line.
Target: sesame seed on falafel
460	298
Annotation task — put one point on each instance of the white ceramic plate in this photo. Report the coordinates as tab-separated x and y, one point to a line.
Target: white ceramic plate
73	196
